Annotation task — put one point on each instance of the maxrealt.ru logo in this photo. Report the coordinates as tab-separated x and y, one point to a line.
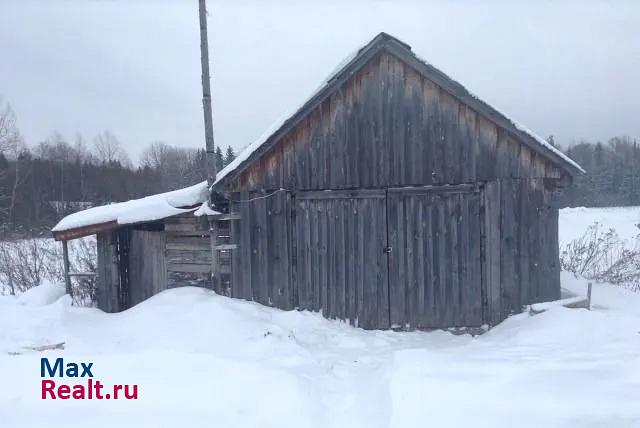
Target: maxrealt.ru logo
89	390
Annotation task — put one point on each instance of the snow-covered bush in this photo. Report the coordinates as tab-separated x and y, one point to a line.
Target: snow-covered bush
602	256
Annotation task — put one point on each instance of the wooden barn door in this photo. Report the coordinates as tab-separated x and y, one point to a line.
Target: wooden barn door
435	277
341	267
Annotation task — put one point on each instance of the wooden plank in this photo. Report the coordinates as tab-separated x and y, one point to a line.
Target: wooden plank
428	319
493	282
341	194
509	251
188	267
383	320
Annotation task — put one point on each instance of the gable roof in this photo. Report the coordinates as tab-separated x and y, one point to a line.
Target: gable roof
351	64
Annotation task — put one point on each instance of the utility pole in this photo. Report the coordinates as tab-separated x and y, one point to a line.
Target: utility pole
206	94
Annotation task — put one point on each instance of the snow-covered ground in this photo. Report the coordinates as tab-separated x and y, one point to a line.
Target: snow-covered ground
204	360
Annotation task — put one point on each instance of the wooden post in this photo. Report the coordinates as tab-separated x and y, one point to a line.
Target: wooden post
206	94
65	257
589	296
215	274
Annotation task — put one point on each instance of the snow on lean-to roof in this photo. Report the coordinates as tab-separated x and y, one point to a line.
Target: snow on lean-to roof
150	208
255	145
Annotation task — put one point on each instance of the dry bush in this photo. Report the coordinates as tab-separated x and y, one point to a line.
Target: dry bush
26	263
600	255
23	264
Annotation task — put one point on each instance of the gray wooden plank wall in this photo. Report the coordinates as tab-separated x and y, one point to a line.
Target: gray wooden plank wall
108	279
450	265
435	265
521	261
147	267
389	126
187	251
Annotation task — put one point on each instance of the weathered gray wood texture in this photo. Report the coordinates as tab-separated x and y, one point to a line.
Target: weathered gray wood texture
435	265
521	263
458	258
341	268
188	251
108	281
263	258
388	125
461	255
147	267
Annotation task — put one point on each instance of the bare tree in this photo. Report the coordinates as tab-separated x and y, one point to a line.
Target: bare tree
11	146
108	149
176	165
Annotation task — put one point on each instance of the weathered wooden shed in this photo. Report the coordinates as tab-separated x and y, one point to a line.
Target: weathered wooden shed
394	198
148	245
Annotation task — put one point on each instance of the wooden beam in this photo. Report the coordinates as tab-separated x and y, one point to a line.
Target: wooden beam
81	232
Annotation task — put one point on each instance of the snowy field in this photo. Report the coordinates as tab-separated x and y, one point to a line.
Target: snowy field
204	360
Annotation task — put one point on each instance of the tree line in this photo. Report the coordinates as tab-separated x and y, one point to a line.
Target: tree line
40	184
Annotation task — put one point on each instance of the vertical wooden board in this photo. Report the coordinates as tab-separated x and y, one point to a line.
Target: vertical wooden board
535	275
299	239
108	279
432	134
487	152
378	161
363	218
367	319
442	263
524	231
397	241
465	261
411	295
451	225
341	259
351	268
383	271
258	282
509	256
332	218
316	257
429	274
554	253
419	263
475	273
247	248
467	118
398	129
492	257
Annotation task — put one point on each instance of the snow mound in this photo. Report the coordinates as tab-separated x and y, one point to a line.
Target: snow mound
150	208
44	294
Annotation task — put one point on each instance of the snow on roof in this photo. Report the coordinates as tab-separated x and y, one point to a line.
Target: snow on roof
150	208
255	145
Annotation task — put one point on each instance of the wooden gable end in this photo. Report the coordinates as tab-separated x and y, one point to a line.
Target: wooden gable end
389	125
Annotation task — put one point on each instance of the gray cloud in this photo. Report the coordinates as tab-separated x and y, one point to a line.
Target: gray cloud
568	69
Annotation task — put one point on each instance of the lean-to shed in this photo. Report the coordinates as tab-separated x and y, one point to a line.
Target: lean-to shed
394	198
147	245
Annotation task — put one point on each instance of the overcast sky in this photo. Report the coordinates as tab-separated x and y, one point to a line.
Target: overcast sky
570	69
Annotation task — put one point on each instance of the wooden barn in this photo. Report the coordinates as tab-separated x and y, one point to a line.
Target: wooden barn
393	198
